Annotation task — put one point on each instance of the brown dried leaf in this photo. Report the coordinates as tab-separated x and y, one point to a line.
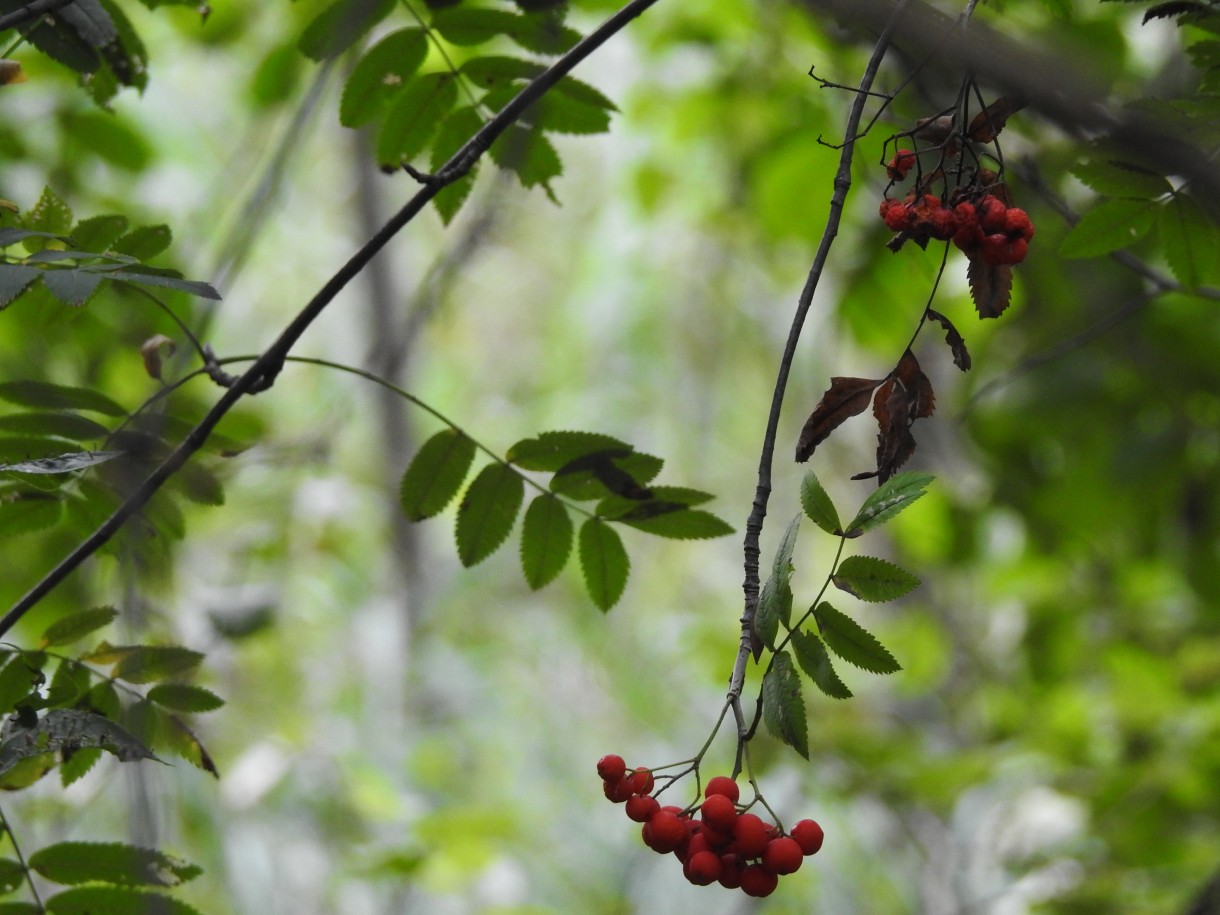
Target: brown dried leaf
11	72
845	398
961	357
988	123
151	350
990	287
905	397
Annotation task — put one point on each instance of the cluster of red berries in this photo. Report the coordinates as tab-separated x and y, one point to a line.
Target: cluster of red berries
980	224
723	844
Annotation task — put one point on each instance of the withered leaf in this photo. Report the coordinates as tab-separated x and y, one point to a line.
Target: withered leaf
845	398
905	397
990	287
988	123
961	357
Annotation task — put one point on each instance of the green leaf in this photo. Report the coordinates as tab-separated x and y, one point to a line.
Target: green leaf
151	276
1190	241
528	154
20	908
546	540
182	697
17	679
70	729
873	580
677	522
144	243
551	451
468	26
46	396
1109	226
12	875
75	626
817	505
182	740
71	286
14	280
98	233
487	512
150	663
115	900
783	707
75	766
774	607
28	513
852	642
199	484
382	71
494	72
665	498
413	116
50	215
811	655
890	498
607	473
1116	178
340	25
65	425
435	474
111	862
781	564
455	130
604	563
556	111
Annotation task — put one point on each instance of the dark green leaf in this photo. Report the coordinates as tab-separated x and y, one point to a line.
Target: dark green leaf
69	729
63	463
65	425
455	130
70	681
556	111
487	512
29	513
145	243
493	72
1109	226
1190	241
149	663
783	707
17	680
607	473
199	484
182	697
115	900
528	154
1115	178
111	862
14	280
413	116
340	25
873	580
383	70
148	276
774	607
604	563
469	26
811	655
546	540
817	505
10	235
71	286
852	642
75	626
435	474
890	498
42	395
50	215
551	451
12	875
678	523
75	766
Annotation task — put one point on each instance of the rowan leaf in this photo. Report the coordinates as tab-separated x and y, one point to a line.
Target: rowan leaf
435	474
783	707
62	463
781	564
12	875
98	233
607	473
1190	241
111	862
487	512
46	396
150	663
458	127
183	697
957	345
145	242
675	521
845	398
413	116
1110	226
817	505
815	662
852	642
990	287
14	280
894	495
338	27
68	729
604	562
115	900
62	424
1116	178
529	155
546	540
383	70
774	607
550	451
68	629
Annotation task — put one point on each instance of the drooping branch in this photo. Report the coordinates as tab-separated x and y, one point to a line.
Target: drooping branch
762	492
263	372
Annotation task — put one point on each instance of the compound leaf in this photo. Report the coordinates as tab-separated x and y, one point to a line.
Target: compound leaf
487	512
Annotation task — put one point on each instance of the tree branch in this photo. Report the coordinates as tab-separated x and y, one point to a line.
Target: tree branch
762	492
263	372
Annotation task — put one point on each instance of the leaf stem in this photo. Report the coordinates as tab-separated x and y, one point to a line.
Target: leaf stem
8	830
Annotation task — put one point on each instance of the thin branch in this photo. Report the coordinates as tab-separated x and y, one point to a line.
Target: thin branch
261	375
762	492
30	12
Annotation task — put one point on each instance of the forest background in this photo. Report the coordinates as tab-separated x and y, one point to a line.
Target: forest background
403	734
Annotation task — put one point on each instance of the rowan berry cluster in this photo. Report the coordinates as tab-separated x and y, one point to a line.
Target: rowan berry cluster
980	223
716	840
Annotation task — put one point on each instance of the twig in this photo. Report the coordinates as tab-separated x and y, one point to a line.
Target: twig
261	375
762	493
31	11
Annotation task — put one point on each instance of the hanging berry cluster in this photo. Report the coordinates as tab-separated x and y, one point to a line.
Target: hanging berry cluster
983	226
717	840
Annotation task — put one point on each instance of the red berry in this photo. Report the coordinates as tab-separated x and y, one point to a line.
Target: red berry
1017	250
898	216
902	163
942	224
782	856
723	785
664	832
992	214
640	808
641	781
695	843
619	791
756	880
702	868
809	836
750	834
1017	224
719	812
731	867
611	767
995	249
